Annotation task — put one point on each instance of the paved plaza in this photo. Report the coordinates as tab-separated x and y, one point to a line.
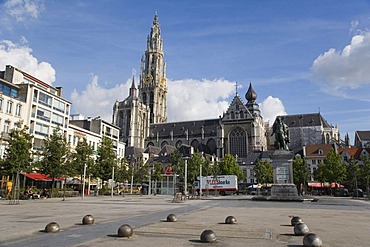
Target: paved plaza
337	221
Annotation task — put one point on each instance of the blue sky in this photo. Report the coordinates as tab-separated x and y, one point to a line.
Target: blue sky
300	56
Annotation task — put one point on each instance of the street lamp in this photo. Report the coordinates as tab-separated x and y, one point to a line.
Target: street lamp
83	180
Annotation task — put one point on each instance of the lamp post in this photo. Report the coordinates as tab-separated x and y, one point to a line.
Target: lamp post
186	176
112	184
150	182
84	180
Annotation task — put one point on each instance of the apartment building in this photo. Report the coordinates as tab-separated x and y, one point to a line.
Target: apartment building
46	109
12	110
102	128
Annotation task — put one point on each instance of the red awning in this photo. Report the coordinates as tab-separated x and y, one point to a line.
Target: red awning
41	177
325	185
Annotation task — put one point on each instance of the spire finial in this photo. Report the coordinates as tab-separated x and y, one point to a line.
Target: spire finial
236	88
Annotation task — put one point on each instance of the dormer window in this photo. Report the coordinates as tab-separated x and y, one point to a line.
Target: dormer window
320	151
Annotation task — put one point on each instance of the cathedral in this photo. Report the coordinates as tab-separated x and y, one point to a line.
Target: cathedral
142	116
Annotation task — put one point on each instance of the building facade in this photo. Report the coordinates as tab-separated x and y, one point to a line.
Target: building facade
142	116
309	129
45	108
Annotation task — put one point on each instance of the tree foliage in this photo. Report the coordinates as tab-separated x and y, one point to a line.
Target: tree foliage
106	159
301	173
263	172
194	164
55	156
83	156
353	172
178	164
17	156
229	166
334	169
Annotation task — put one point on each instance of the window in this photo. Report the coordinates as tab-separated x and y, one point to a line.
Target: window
6	126
58	105
57	119
45	99
313	162
18	110
41	129
1	104
43	114
238	143
8	91
9	107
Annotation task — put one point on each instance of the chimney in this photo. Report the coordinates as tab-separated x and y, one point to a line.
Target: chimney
60	91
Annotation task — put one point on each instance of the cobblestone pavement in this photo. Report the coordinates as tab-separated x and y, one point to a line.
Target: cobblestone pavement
337	221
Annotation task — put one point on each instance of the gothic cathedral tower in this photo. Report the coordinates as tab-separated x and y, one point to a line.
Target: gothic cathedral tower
135	114
152	86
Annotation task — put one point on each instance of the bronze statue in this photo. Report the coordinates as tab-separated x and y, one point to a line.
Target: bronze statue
281	131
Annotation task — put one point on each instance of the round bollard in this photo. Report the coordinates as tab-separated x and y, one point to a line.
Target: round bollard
311	240
208	236
125	231
230	220
52	227
295	220
88	220
171	218
301	229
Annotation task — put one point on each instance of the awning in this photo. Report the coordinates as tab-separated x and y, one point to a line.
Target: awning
41	177
325	185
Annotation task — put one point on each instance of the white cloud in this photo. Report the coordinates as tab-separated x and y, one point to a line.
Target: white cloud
191	99
98	101
347	69
22	10
270	108
20	56
188	99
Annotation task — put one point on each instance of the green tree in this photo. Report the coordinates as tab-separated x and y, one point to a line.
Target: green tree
55	156
82	156
177	162
301	173
319	174
17	157
141	174
123	173
263	172
334	169
353	172
194	164
229	166
106	159
365	172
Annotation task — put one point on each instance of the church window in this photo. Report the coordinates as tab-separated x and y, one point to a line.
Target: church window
212	146
144	98
178	144
195	144
232	115
164	144
238	143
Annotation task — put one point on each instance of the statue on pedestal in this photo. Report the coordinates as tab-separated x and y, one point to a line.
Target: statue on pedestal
281	131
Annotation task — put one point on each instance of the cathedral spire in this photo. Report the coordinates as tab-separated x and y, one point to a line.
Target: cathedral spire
133	88
251	95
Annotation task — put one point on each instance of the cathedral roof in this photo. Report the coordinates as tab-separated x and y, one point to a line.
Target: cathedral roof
209	127
305	120
151	150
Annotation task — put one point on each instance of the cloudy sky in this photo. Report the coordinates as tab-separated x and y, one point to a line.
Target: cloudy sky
300	56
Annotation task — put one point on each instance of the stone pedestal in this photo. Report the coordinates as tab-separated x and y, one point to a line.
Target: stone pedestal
283	188
284	192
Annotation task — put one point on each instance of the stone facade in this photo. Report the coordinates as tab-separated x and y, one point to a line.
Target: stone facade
143	117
